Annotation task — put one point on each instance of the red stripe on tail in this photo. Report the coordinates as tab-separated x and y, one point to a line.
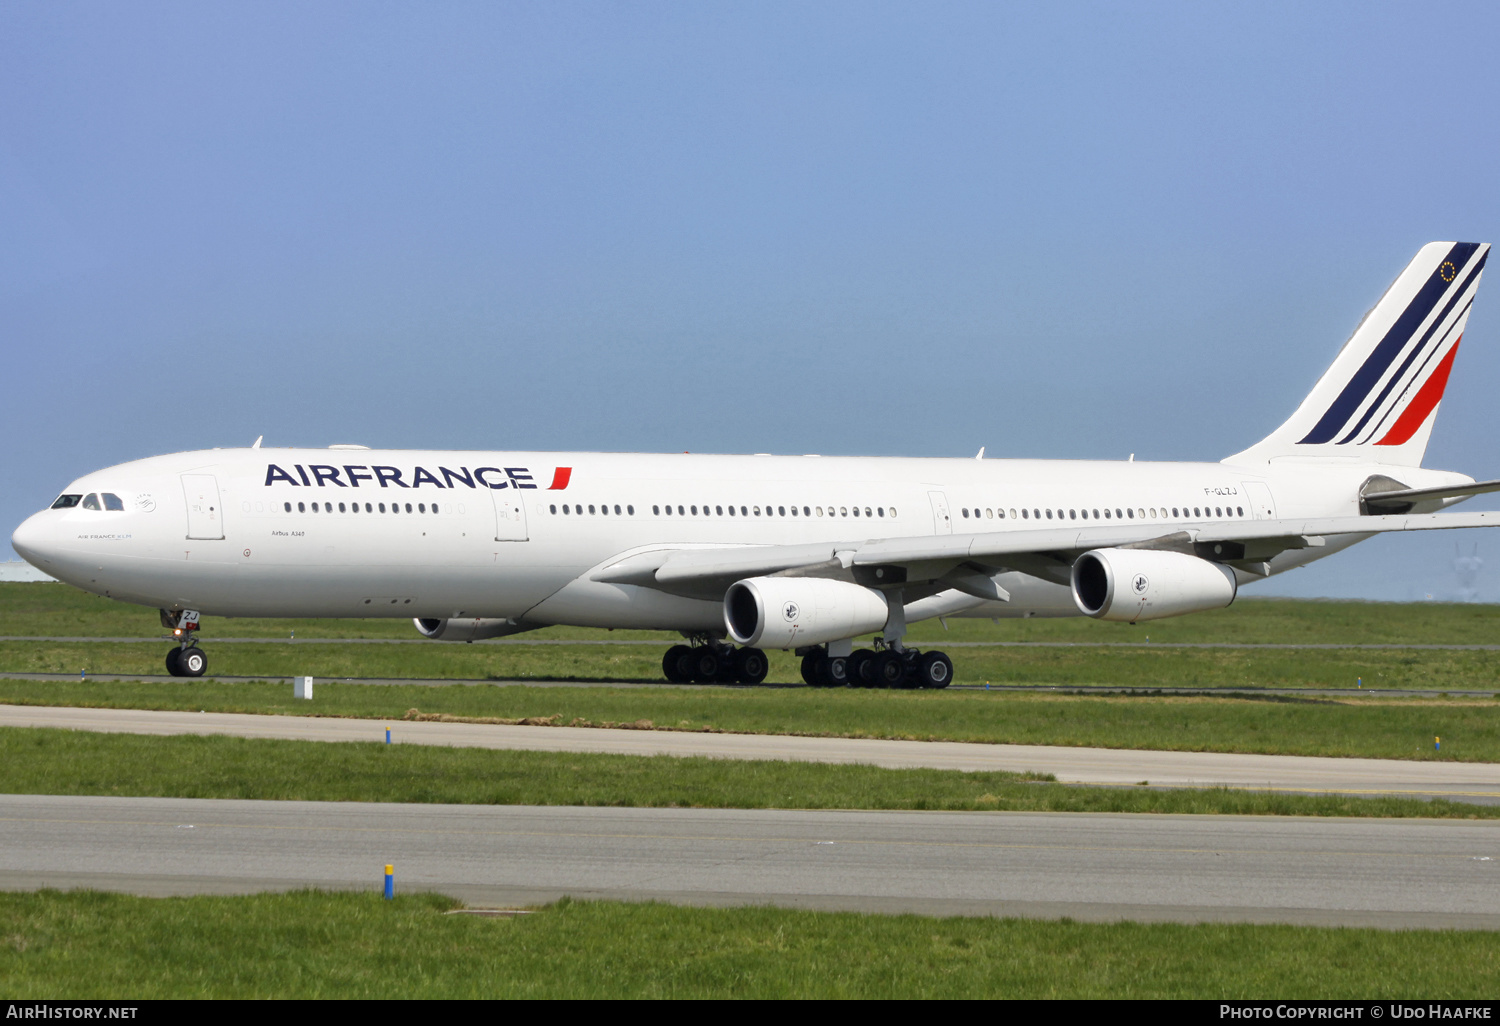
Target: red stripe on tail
1431	393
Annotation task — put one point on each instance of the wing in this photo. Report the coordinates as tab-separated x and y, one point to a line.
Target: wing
966	564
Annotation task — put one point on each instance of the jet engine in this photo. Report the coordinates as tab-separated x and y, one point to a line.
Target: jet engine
1142	584
466	628
789	612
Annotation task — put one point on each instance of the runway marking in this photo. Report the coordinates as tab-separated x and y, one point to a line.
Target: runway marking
810	841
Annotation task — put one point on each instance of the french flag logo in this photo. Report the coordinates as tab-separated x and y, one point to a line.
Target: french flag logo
560	478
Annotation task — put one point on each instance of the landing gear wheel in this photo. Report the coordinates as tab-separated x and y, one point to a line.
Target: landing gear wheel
173	666
672	664
860	665
705	664
889	670
191	662
751	665
834	670
810	670
935	670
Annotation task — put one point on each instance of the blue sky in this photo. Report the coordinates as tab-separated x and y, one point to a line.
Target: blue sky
1054	230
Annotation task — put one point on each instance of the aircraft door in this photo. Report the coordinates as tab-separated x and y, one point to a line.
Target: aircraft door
942	517
205	514
1261	500
510	516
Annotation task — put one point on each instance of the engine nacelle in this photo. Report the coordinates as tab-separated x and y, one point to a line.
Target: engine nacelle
789	612
467	628
1142	584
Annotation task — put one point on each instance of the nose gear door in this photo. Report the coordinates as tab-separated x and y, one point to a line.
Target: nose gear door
205	514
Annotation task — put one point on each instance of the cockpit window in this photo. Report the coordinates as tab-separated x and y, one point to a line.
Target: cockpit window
66	501
91	501
112	501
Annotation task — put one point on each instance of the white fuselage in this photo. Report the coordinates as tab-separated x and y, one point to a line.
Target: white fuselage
406	533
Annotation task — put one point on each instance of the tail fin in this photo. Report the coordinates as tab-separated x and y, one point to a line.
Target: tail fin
1378	401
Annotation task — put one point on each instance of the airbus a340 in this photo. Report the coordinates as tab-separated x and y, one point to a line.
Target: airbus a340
746	553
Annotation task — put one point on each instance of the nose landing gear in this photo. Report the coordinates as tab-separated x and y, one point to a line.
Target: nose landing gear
187	659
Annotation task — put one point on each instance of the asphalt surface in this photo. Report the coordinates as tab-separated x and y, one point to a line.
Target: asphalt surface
1394	874
1067	689
1459	781
1294	646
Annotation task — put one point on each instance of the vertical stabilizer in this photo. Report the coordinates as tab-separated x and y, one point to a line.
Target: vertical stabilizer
1379	400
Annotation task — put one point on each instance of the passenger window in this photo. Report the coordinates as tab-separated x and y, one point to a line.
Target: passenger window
1096	514
408	507
1106	514
630	510
382	507
731	511
966	514
328	507
1013	514
669	511
679	511
287	506
1049	514
617	510
655	510
1072	514
301	507
421	507
112	501
694	509
1218	512
781	511
341	507
1239	511
1025	515
893	512
553	508
1130	513
720	510
856	511
880	510
91	501
757	511
66	501
591	509
794	511
369	510
806	512
1196	513
818	508
989	514
744	512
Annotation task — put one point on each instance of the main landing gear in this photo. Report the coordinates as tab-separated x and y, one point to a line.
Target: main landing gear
187	659
887	667
714	662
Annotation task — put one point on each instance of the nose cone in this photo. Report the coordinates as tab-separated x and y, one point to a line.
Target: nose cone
33	540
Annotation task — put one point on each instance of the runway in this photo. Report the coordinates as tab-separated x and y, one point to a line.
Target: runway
1460	781
1394	874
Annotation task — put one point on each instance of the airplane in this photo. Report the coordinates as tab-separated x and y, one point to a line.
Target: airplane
740	554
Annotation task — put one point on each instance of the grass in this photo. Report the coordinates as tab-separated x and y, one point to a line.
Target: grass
54	610
45	761
1365	726
1416	669
310	944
